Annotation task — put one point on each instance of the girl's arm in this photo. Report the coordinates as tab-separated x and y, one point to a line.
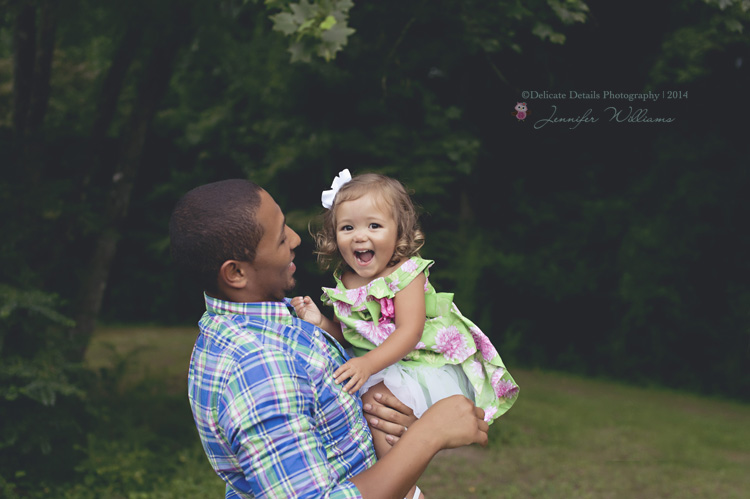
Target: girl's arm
309	312
410	317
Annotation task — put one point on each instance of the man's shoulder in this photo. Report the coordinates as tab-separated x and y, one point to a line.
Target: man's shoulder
239	336
231	347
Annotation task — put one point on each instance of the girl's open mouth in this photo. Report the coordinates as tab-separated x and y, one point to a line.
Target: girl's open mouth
364	257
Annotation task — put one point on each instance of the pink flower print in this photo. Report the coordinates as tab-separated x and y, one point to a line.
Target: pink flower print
506	389
356	295
374	333
489	413
451	343
426	284
420	346
393	285
387	311
503	388
409	266
483	343
497	374
343	309
478	369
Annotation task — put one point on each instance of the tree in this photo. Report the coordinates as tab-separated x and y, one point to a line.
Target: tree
69	186
152	37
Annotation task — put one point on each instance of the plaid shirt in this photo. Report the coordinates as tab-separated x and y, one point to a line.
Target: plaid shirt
271	419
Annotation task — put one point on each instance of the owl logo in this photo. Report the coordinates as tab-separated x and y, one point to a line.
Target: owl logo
521	111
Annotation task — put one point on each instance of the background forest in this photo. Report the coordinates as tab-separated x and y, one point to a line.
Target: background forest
609	249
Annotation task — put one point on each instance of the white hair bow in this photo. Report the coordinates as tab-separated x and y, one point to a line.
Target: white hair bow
328	196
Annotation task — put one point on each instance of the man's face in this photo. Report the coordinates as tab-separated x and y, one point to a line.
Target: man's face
273	267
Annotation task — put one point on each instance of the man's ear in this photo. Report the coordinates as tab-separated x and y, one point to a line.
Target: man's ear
233	274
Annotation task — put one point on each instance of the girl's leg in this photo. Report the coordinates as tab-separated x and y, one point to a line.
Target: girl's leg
378	437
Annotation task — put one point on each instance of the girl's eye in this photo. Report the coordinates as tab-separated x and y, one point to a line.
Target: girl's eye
346	227
375	226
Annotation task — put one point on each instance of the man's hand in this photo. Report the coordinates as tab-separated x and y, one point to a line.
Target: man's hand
449	423
456	421
389	415
357	371
456	418
307	310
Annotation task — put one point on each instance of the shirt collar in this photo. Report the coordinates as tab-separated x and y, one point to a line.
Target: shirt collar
275	311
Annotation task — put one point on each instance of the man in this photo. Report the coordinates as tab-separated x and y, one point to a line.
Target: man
271	418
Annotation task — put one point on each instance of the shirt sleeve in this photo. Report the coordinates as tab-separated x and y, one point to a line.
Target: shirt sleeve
267	415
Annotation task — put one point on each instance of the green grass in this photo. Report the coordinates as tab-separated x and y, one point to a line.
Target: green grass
573	437
153	450
566	437
144	351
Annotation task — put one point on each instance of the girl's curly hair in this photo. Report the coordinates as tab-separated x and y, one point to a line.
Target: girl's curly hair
409	238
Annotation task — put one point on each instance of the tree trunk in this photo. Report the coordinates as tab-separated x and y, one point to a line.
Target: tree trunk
24	53
107	105
155	81
32	143
40	88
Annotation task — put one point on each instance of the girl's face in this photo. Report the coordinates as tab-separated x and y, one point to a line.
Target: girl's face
366	235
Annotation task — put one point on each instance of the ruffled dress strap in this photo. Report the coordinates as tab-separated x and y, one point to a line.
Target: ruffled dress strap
383	287
367	313
406	273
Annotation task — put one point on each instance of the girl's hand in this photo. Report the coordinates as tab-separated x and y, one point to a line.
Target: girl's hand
307	310
357	371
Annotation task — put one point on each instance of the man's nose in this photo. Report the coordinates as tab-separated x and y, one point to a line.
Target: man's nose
296	240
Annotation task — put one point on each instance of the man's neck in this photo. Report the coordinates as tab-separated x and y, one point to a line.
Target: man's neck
240	296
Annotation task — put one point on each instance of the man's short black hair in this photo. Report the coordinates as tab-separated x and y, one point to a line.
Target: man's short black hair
214	223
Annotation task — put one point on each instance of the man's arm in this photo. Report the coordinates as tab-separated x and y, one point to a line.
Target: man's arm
450	423
266	415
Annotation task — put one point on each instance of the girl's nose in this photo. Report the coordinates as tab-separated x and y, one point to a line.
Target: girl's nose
359	236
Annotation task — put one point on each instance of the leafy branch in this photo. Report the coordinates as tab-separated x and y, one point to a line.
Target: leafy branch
317	29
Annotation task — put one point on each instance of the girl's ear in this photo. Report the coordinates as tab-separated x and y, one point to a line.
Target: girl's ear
233	274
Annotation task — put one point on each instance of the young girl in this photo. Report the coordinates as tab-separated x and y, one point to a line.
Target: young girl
405	336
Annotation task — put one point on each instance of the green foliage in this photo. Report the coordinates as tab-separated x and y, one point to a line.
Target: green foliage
140	444
686	51
14	300
130	436
42	395
498	26
319	28
567	12
137	426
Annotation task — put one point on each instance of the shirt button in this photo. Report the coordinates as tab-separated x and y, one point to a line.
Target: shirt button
317	333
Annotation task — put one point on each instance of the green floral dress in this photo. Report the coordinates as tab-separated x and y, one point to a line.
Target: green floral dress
453	355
